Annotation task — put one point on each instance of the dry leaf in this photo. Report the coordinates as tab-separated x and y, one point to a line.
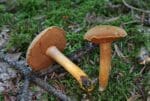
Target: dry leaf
6	74
8	97
4	36
14	56
143	56
133	98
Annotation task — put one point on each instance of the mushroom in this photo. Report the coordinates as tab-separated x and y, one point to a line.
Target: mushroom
47	47
104	35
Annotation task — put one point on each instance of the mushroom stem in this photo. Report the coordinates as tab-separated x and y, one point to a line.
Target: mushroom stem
73	69
105	65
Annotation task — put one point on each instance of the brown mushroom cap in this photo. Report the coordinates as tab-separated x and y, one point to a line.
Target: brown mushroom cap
36	53
104	33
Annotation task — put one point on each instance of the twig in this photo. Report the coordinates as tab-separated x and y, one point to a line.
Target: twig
131	69
138	19
142	91
49	88
140	88
130	22
134	8
24	93
134	97
27	71
77	55
120	54
21	67
142	70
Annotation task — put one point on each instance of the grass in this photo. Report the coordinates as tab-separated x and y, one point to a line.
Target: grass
26	18
1	97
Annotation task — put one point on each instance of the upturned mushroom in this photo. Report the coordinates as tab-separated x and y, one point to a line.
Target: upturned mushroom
104	35
47	47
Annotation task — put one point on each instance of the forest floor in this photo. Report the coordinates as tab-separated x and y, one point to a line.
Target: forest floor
22	20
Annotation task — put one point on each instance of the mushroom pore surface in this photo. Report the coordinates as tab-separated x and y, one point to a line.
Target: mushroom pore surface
36	56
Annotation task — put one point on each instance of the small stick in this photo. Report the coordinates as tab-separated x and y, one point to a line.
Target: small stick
142	70
21	67
134	8
24	93
77	55
49	88
120	54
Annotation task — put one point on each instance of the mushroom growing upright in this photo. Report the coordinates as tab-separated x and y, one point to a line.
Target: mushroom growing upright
104	35
47	47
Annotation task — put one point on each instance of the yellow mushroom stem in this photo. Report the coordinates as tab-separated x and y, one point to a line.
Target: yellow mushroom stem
73	69
105	65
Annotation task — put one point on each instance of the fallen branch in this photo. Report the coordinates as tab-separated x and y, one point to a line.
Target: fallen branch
49	88
24	93
27	71
134	8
